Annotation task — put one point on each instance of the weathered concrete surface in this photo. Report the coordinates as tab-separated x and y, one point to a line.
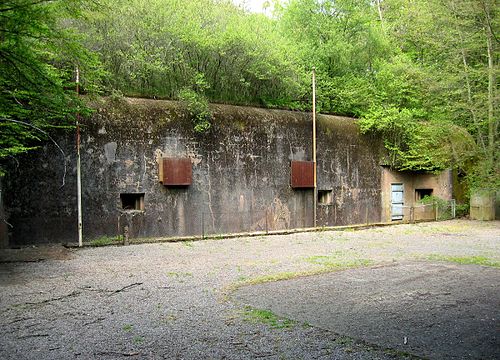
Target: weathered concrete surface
438	311
241	174
482	205
440	184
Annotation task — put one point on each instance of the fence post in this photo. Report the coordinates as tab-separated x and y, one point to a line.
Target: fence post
436	210
267	228
202	224
412	215
125	235
453	208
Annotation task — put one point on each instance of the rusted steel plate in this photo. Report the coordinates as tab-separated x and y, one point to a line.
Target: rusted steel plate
302	174
176	172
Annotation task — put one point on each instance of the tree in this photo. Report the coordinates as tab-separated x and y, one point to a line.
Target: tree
157	48
455	43
37	56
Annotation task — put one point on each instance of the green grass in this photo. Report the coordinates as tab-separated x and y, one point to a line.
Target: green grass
338	260
127	327
275	277
267	317
138	340
107	240
466	260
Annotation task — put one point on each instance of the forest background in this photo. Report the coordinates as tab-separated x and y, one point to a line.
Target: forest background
422	74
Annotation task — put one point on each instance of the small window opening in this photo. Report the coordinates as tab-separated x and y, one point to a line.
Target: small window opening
132	201
421	193
325	197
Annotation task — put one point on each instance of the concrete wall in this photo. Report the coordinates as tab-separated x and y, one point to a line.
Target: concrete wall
241	174
482	205
441	185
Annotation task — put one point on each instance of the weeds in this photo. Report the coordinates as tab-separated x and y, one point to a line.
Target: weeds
466	260
138	340
338	260
267	317
107	240
176	274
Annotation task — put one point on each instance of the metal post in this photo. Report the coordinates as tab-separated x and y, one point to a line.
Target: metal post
436	210
453	208
366	214
314	143
78	167
267	228
125	235
202	225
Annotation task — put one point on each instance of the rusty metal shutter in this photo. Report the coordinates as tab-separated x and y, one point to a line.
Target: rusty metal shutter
302	174
176	172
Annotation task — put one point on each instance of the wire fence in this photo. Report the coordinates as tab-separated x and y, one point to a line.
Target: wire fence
271	219
442	210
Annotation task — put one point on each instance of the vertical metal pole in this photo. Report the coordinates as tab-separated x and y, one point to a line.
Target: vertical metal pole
267	226
314	143
78	167
125	235
453	208
202	225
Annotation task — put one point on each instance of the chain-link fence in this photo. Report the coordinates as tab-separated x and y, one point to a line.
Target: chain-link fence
268	220
437	210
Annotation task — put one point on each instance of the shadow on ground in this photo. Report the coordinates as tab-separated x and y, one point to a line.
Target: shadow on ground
434	310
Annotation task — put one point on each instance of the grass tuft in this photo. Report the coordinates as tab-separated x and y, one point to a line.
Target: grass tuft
107	240
267	317
466	260
338	260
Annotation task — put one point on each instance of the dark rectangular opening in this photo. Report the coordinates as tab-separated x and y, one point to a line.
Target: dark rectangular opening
325	197
132	201
421	193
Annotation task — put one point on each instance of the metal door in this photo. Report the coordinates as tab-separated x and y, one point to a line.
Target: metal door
397	202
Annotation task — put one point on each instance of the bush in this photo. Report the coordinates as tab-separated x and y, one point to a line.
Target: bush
443	206
197	106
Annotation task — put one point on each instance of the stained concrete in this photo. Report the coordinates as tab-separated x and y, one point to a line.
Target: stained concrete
241	174
437	311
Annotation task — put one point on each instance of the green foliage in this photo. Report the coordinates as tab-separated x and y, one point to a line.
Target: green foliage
196	104
38	54
462	210
198	108
158	48
442	206
421	74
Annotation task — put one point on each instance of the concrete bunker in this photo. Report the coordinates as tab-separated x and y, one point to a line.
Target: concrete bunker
252	172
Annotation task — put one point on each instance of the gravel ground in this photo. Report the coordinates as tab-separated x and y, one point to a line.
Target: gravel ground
175	300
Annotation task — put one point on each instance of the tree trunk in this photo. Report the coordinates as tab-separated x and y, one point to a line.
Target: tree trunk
491	85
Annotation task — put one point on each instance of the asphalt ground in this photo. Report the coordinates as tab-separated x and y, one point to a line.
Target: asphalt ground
185	300
433	310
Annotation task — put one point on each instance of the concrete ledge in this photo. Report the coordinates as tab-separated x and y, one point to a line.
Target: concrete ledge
133	241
